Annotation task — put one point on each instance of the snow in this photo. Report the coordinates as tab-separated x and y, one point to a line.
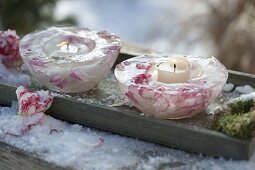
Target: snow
107	92
13	77
228	87
77	147
245	89
243	97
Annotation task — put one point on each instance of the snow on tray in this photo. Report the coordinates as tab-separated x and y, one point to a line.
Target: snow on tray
244	89
11	76
243	97
228	87
80	148
107	92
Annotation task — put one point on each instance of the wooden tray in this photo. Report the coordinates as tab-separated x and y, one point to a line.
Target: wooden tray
188	134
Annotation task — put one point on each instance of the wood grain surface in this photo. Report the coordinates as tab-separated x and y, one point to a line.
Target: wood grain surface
12	158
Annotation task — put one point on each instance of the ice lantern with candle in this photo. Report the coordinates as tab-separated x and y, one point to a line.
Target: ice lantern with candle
171	86
69	59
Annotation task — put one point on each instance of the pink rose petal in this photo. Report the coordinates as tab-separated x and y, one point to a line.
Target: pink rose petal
19	125
33	102
9	49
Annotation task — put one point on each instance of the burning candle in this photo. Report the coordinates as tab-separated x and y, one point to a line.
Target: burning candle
176	70
68	46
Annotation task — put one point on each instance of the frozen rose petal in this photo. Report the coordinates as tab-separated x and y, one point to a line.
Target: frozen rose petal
106	35
33	102
131	97
37	64
58	80
77	74
141	78
143	66
126	63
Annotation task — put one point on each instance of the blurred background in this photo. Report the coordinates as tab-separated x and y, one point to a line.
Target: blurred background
220	28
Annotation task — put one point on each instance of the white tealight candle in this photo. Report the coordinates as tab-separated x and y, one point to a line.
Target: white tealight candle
67	46
176	70
65	49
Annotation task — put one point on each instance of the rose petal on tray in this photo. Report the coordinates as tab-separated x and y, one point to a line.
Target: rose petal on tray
53	125
93	145
14	126
33	102
30	121
19	125
9	49
31	108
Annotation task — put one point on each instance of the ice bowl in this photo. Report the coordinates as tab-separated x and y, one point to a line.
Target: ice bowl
69	59
138	81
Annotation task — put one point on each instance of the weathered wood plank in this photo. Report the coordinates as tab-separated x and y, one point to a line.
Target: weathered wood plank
239	78
12	158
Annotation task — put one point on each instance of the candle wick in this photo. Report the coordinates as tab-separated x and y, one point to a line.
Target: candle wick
159	64
174	67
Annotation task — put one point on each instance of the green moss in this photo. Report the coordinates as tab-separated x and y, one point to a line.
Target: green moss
238	125
238	121
241	106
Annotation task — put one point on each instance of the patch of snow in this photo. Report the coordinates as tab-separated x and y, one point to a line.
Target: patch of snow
212	108
107	92
243	97
244	89
228	87
13	77
76	147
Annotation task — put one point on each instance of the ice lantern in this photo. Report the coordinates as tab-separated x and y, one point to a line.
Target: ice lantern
171	86
69	59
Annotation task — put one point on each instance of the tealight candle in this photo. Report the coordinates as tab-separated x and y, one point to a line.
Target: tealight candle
176	70
67	46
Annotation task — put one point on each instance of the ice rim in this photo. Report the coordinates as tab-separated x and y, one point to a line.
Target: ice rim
72	74
170	101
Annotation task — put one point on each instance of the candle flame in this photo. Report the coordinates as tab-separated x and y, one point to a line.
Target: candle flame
62	44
